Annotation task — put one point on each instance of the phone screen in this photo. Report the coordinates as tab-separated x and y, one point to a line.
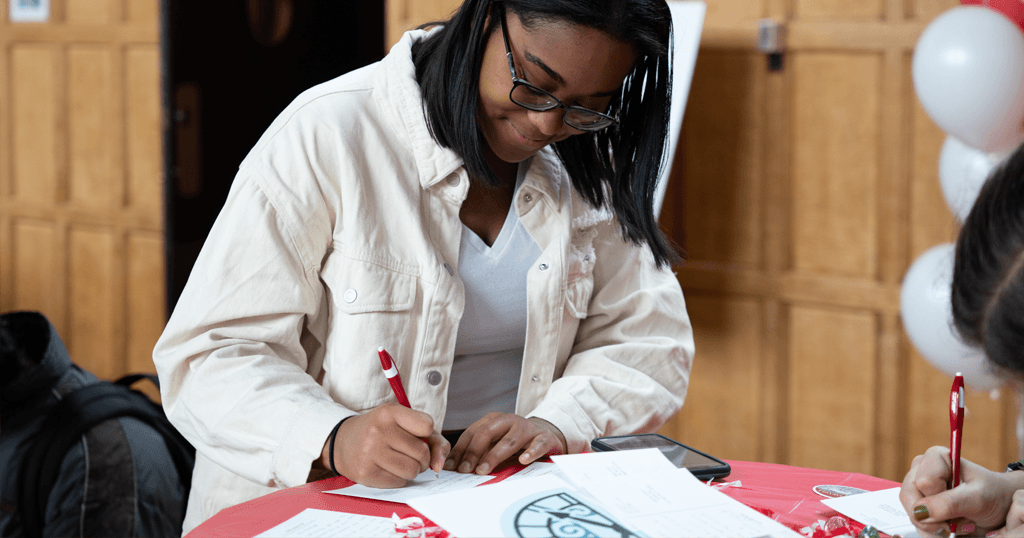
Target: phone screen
679	455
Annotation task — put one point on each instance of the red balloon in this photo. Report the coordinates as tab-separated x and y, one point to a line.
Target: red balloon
1013	9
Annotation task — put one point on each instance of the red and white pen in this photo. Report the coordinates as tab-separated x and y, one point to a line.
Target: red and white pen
956	430
394	378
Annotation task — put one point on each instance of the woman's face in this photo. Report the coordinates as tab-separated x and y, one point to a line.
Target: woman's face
579	65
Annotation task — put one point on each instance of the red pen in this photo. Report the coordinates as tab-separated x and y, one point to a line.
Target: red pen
956	430
394	378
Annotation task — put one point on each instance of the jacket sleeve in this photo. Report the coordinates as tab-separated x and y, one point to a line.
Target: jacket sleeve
238	357
629	367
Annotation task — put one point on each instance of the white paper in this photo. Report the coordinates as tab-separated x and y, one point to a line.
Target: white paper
537	468
29	10
314	523
427	483
663	501
613	465
617	494
880	509
516	508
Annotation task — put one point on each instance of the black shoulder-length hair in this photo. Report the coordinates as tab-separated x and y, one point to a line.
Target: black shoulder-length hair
988	269
625	159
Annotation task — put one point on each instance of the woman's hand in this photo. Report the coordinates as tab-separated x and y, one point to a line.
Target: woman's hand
385	447
499	436
1014	518
980	503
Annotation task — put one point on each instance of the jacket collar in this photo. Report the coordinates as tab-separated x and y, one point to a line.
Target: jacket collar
402	98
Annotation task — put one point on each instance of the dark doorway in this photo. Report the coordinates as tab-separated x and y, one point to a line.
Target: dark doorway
228	69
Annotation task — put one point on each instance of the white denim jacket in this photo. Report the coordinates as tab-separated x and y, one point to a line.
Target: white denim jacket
341	233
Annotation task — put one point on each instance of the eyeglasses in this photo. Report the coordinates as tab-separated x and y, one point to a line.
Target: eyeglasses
531	97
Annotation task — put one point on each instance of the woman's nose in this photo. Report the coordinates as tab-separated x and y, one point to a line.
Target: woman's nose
549	122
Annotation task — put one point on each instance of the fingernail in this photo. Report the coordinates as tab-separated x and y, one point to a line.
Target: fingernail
921	512
966	528
483	468
449	465
944	533
525	457
990	534
465	467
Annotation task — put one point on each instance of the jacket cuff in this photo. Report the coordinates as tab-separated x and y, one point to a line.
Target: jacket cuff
304	441
571	420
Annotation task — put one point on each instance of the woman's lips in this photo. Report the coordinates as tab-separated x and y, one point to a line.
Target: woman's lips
527	140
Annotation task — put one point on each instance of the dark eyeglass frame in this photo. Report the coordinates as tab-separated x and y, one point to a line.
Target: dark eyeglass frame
556	102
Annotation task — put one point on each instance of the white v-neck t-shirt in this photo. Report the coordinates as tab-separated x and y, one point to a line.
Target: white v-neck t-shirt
492	334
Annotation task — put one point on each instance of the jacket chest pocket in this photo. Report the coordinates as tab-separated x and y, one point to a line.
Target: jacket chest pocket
371	306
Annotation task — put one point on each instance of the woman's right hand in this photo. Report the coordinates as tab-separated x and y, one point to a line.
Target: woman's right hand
980	503
385	447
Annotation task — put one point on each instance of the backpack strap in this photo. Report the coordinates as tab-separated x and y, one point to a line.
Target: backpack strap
70	418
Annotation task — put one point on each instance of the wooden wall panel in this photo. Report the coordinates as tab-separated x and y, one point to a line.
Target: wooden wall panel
926	10
723	223
730	11
833	10
725	374
831	380
93	116
142	116
80	202
34	122
92	337
35	253
90	11
835	175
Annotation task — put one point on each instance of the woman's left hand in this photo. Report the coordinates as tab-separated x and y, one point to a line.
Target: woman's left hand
497	437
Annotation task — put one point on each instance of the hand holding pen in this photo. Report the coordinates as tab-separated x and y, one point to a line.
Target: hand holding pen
387	446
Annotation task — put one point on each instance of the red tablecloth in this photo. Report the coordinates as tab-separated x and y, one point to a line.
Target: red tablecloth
782	492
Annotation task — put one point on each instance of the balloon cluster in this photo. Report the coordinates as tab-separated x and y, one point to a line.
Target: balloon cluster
968	72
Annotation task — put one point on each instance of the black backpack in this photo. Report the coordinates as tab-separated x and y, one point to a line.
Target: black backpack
75	414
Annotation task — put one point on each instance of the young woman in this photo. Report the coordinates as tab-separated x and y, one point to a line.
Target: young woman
988	311
479	203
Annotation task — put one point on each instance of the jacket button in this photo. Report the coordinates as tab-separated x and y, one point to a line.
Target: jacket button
453	180
350	295
434	377
451	272
527	197
535	378
543	267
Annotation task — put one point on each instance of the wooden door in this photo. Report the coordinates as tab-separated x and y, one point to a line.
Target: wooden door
80	180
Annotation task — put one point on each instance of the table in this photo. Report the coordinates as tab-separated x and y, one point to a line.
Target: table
782	492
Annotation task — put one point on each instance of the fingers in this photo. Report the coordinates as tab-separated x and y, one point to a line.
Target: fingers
1015	516
439	449
499	436
384	448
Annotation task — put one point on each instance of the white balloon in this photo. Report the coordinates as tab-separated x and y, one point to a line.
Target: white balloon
968	72
962	172
928	319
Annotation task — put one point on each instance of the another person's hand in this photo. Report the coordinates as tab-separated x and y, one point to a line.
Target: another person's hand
979	504
385	447
499	436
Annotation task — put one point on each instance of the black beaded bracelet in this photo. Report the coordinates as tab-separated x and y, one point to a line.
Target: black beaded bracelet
330	456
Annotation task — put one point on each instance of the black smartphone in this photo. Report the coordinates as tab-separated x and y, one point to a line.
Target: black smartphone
702	466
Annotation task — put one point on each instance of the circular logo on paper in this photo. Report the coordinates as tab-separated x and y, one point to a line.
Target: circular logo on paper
560	514
837	491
